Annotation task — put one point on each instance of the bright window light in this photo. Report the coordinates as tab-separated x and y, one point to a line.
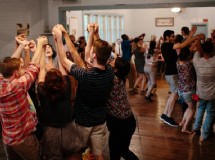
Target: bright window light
176	9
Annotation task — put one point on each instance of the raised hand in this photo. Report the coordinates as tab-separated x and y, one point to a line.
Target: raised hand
32	46
201	36
90	28
42	41
21	39
194	29
57	31
96	28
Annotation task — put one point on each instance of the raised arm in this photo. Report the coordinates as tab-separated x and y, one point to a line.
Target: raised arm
61	68
42	73
192	32
199	45
89	43
22	42
185	43
41	42
57	33
26	58
76	57
31	48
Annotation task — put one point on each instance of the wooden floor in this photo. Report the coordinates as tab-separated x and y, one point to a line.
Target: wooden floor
154	140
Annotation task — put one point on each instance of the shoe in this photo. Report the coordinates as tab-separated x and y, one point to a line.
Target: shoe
163	117
170	121
148	99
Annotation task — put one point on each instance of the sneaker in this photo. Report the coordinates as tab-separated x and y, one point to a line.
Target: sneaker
163	117
148	99
170	121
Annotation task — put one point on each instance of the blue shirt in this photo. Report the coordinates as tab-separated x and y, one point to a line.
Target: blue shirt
126	50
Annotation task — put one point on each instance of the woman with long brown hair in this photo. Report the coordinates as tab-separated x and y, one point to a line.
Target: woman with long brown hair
60	138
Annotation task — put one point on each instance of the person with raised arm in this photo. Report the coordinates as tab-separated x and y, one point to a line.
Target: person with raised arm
94	86
204	63
170	56
54	93
17	120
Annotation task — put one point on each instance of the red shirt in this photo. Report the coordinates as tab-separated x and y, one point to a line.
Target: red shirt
17	119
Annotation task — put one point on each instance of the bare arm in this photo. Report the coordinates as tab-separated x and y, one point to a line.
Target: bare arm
61	68
77	59
27	58
41	41
89	43
22	42
192	32
57	33
185	43
42	73
199	47
159	43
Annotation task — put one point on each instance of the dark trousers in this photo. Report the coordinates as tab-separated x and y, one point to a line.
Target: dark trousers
121	131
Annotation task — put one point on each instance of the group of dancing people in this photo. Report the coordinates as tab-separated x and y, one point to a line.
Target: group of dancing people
189	71
74	102
58	111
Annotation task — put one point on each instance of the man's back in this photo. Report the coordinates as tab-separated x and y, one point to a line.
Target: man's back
94	86
205	70
17	119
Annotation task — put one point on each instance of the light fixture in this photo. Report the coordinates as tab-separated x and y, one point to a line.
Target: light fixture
176	9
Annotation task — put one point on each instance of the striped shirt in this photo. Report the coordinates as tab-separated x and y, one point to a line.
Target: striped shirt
17	119
205	71
94	86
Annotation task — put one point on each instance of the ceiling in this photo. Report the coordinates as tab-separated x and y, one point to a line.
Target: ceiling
132	4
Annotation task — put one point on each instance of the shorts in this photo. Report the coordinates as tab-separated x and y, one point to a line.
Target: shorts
186	96
95	135
172	80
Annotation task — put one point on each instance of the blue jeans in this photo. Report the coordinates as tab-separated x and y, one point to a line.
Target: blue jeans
209	107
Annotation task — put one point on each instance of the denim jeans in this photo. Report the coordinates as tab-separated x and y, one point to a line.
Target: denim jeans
209	107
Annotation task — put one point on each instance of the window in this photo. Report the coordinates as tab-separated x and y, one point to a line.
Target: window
110	26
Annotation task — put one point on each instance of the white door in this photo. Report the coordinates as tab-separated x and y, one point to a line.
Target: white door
201	28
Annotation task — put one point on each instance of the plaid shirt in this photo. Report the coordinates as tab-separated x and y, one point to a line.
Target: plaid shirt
17	119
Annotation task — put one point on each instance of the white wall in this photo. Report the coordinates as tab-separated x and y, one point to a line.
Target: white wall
139	21
19	11
145	20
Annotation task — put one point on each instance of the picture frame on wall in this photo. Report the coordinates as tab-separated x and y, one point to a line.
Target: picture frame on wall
164	22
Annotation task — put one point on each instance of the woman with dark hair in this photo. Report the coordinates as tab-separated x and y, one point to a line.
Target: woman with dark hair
187	87
50	56
139	52
120	119
60	138
150	69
